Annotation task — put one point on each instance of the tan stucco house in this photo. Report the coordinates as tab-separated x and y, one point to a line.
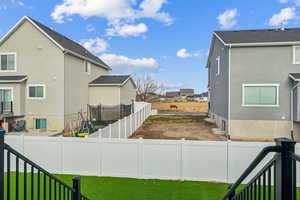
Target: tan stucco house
112	90
44	76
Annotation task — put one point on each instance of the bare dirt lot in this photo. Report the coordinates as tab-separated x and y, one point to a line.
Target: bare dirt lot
177	127
181	106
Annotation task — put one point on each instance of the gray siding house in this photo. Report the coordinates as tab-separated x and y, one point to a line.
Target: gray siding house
45	76
253	78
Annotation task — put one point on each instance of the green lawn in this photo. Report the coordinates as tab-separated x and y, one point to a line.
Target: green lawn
102	188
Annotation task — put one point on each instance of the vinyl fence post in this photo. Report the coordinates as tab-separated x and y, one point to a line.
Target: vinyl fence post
109	128
76	188
1	165
119	128
125	127
285	172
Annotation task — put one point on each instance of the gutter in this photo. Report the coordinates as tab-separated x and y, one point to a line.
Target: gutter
229	91
292	109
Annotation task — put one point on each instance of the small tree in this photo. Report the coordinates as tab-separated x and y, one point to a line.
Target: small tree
146	86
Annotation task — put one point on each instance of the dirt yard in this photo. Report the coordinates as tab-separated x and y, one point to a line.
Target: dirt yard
181	106
176	127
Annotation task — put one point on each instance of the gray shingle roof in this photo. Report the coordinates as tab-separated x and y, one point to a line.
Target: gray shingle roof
10	79
69	44
295	76
260	36
110	80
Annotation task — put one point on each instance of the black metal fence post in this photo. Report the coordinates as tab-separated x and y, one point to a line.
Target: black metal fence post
285	171
1	165
232	194
76	188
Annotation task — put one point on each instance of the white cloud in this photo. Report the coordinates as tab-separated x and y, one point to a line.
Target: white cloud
90	28
20	3
182	53
283	17
96	45
127	30
297	2
124	63
151	9
228	18
283	1
112	10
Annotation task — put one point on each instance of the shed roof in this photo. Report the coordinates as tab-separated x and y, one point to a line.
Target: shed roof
111	80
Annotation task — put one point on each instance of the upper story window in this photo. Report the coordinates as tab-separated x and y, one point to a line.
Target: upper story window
218	59
8	62
87	67
262	95
296	55
36	91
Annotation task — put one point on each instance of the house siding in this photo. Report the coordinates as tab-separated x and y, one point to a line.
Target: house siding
105	95
218	85
76	85
128	93
261	65
43	62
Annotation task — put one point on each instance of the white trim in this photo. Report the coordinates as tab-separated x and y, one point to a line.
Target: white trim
218	59
258	85
229	91
86	58
294	55
36	85
89	67
9	88
217	36
119	85
50	38
9	53
293	78
14	81
257	43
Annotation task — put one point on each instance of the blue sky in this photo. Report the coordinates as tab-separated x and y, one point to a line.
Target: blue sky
168	39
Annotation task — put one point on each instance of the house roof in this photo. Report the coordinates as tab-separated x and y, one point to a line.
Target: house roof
259	36
63	42
187	90
117	80
295	76
12	79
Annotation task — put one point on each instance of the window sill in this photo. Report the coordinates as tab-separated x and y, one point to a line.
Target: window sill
36	98
257	106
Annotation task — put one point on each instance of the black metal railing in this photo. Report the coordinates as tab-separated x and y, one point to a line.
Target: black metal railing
276	180
21	178
6	107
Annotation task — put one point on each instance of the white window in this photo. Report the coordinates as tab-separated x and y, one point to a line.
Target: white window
8	62
36	91
218	65
87	67
296	55
261	95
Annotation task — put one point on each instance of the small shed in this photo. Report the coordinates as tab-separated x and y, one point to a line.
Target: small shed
112	90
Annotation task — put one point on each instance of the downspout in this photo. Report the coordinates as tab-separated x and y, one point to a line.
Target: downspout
292	109
229	93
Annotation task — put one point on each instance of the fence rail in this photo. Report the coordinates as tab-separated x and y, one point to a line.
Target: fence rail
30	181
126	126
276	180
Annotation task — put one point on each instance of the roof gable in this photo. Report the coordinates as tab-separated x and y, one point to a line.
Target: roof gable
65	44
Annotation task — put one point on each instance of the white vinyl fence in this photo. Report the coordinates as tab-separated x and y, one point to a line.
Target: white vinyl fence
125	127
140	158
